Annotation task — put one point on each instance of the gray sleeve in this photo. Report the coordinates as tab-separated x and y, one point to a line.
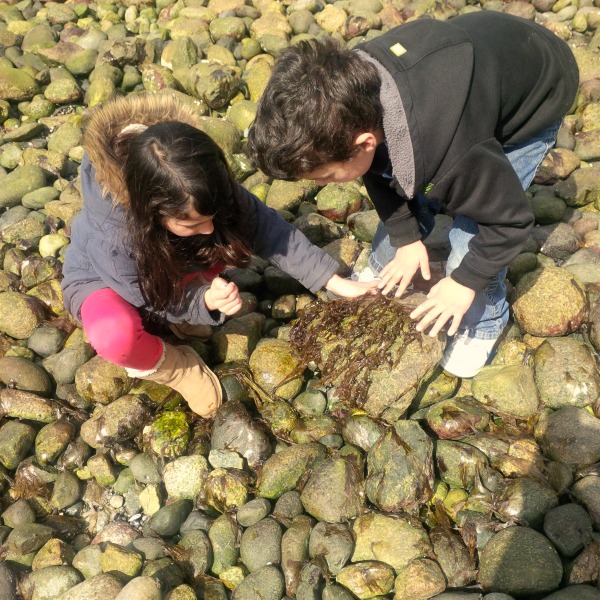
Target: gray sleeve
118	271
284	246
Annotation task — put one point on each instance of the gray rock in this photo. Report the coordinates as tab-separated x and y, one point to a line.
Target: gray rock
576	592
15	441
141	588
8	582
265	584
252	512
46	340
261	545
569	528
63	366
289	505
587	492
184	477
166	521
51	582
235	430
102	586
572	436
28	537
333	542
519	561
224	536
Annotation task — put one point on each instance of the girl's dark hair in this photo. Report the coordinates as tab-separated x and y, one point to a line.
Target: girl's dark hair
170	169
319	98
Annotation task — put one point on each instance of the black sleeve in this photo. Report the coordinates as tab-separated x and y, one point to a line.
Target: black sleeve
484	186
393	210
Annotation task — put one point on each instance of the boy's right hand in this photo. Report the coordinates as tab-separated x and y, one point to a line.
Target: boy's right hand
223	296
402	268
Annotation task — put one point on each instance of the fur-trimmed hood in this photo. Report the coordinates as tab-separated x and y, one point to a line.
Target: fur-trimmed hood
105	124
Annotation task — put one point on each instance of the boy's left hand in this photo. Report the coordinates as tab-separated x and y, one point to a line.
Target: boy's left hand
346	288
446	300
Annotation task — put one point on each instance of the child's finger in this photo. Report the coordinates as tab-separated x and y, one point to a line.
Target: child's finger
425	270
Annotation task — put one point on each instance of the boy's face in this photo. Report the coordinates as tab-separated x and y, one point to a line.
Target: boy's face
348	170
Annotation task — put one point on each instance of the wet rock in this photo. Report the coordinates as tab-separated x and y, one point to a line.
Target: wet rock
367	579
456	417
576	592
46	340
102	586
141	588
20	314
252	512
235	430
294	552
587	492
507	389
455	560
337	201
168	435
100	381
224	536
63	365
566	373
333	542
117	422
52	440
167	521
50	582
16	84
15	441
273	364
569	528
25	375
237	339
265	584
400	468
52	554
393	540
459	464
526	499
581	187
549	302
184	477
8	582
334	491
558	164
18	513
557	241
28	537
226	489
572	436
119	560
419	580
144	469
288	506
318	229
261	545
519	561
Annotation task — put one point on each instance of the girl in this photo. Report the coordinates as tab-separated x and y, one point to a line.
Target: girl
162	217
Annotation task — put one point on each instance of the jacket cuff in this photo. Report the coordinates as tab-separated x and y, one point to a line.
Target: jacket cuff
464	275
319	283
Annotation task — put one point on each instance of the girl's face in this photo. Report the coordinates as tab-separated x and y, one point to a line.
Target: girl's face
193	224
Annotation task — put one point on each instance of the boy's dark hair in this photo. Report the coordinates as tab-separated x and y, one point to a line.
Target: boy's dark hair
170	169
319	98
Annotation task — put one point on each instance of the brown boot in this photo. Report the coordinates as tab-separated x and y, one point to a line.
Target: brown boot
183	370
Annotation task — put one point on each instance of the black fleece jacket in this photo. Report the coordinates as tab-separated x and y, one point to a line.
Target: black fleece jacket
454	93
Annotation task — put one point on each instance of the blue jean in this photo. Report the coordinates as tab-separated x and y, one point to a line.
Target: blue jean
488	315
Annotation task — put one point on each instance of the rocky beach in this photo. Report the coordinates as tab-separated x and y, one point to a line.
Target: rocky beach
344	463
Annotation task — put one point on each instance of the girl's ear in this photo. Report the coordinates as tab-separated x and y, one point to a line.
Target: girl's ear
367	141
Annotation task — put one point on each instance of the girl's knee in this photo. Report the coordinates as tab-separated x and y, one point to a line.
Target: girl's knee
114	337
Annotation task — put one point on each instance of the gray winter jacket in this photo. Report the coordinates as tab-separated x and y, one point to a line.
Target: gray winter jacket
98	257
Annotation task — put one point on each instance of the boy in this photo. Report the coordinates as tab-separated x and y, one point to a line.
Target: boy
457	114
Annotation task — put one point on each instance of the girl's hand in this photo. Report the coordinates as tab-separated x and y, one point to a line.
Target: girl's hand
223	296
446	300
402	268
347	288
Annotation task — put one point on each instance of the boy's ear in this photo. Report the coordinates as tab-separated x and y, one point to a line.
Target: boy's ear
367	141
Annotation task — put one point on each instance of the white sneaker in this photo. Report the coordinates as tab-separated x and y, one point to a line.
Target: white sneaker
365	276
465	356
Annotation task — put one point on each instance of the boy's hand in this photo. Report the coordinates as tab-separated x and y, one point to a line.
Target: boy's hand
347	288
446	300
403	267
223	296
